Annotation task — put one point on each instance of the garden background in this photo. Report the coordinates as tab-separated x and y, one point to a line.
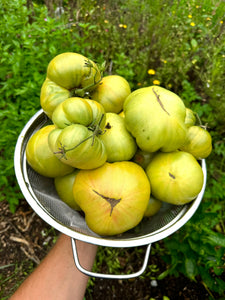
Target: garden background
177	44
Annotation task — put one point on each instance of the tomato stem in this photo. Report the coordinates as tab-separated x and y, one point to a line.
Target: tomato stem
83	92
200	122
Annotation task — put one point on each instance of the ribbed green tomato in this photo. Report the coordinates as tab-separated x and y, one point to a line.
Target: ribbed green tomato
75	141
68	74
175	177
76	146
77	110
112	92
40	157
119	143
113	197
51	95
73	70
155	117
198	142
64	188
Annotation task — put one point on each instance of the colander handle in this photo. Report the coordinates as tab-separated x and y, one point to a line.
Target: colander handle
109	276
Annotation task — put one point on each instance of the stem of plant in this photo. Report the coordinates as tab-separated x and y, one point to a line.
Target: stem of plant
82	92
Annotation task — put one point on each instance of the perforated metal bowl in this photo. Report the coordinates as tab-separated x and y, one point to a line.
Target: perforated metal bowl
41	195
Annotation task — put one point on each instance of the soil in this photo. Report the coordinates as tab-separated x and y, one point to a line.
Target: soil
25	240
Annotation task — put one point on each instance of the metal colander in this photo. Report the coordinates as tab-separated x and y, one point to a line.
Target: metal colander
41	195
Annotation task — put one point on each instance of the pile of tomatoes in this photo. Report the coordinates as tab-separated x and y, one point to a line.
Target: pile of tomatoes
114	153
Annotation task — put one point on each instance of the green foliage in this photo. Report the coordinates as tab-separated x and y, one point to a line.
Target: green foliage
177	44
198	250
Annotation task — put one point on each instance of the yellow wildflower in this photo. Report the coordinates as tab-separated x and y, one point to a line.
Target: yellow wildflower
169	85
192	24
106	21
197	6
122	25
190	16
221	22
156	82
165	61
151	72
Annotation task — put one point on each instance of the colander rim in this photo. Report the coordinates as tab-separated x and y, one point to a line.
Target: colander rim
180	220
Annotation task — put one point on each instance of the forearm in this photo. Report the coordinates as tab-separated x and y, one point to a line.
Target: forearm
57	276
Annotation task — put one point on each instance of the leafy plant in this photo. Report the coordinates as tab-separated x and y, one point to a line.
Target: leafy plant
200	251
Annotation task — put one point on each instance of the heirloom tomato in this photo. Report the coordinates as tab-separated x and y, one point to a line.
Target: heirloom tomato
73	71
77	110
41	158
113	197
64	188
119	143
175	177
112	92
155	117
68	74
51	95
153	207
76	141
198	142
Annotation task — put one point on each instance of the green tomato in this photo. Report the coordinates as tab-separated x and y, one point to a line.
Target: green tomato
75	141
153	207
198	142
113	197
72	111
76	146
40	157
155	117
68	74
51	95
77	110
72	70
112	92
175	177
119	143
64	188
99	116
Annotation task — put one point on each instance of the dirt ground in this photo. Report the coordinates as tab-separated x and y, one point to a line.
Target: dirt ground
25	239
